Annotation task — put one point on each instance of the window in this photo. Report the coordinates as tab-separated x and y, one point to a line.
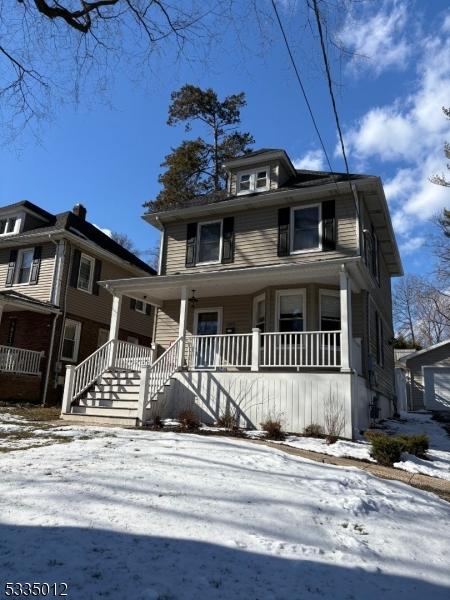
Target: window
24	264
306	229
86	273
259	312
209	242
103	335
140	306
330	311
131	339
71	340
253	181
8	225
290	310
379	339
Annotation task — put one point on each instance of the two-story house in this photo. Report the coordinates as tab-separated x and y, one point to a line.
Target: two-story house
272	299
52	310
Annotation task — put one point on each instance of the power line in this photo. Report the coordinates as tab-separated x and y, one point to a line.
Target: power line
302	88
330	86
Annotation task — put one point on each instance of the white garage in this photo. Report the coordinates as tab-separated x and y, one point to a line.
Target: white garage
436	388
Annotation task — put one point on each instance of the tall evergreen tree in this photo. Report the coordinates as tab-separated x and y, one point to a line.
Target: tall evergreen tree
195	167
441	179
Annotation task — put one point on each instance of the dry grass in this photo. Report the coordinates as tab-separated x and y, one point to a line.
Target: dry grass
35	413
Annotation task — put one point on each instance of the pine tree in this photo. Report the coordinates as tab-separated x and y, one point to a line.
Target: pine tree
440	179
195	167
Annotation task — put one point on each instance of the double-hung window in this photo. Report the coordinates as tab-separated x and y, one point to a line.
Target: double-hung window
86	273
8	225
24	265
306	229
259	312
209	241
291	310
330	310
253	181
71	340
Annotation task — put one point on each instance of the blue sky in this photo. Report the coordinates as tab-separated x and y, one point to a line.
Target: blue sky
107	155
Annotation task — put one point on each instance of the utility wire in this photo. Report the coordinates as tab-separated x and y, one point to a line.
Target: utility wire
330	86
299	79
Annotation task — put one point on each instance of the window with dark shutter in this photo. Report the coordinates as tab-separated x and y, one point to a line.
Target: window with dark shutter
36	265
148	309
76	258
11	267
97	277
132	304
284	215
228	240
328	225
191	244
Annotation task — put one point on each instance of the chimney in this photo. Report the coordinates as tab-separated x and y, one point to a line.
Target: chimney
80	211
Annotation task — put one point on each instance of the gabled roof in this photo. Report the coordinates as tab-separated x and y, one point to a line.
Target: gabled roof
414	355
70	222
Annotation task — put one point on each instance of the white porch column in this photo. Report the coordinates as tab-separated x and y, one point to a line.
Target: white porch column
114	326
182	325
256	345
346	320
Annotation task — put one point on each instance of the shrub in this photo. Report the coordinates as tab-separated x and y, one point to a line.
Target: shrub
370	434
189	421
334	418
157	422
314	430
415	444
273	429
227	420
386	450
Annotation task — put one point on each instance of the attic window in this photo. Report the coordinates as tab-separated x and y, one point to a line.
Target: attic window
8	225
253	181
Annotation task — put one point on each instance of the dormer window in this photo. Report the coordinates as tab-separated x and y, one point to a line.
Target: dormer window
8	225
253	181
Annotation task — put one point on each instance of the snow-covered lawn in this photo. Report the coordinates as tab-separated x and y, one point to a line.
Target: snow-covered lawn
438	464
122	514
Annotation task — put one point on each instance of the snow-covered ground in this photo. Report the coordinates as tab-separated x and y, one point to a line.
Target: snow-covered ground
438	464
121	513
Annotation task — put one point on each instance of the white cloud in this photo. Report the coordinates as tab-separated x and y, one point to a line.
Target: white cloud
412	244
446	24
104	229
378	39
411	131
313	160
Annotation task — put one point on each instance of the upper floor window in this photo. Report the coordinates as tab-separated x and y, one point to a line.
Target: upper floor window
24	265
306	229
8	225
253	181
209	242
86	273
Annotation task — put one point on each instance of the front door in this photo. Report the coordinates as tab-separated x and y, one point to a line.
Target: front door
207	323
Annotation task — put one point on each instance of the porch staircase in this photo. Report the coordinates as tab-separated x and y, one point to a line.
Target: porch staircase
118	395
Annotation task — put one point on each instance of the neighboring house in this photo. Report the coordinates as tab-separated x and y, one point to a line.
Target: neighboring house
52	310
427	377
272	299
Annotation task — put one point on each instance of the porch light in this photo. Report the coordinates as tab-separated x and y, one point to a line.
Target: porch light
193	300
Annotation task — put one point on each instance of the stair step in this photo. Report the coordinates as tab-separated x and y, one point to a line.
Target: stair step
97	394
110	411
117	387
107	403
121	375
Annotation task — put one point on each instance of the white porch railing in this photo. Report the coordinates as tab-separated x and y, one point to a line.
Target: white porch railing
19	361
301	349
216	351
154	377
114	354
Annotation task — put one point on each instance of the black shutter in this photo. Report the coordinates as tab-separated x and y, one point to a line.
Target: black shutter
36	265
328	225
132	304
97	276
284	217
148	309
11	267
76	257
228	240
191	244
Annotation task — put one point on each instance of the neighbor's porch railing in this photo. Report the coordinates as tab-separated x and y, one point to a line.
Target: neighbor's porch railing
317	349
19	361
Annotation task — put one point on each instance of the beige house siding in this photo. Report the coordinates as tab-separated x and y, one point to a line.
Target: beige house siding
43	289
256	240
98	308
439	357
384	375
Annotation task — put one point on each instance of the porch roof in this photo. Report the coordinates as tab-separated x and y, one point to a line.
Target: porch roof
12	300
234	282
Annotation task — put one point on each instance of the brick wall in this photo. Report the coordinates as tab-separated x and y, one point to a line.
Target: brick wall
25	388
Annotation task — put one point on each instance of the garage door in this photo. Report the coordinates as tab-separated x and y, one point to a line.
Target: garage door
437	388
